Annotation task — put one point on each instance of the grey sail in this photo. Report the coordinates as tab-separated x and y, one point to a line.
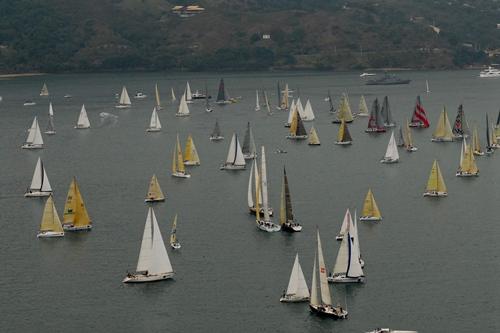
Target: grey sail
300	126
248	147
386	113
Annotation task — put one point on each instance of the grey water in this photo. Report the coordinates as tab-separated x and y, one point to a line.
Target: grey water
431	265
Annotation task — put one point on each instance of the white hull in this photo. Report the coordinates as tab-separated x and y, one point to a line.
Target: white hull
216	138
50	132
189	163
175	246
153	130
389	160
81	127
293	227
140	96
339	237
344	279
37	194
370	218
50	234
362	115
223	102
268	226
182	115
29	104
435	194
293	299
138	278
441	140
181	175
232	167
250	156
209	110
296	137
478	153
466	174
343	143
31	146
411	149
154	200
122	106
69	227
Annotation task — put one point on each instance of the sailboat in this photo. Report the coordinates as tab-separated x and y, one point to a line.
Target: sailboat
476	144
322	304
391	153
287	219
284	98
154	122
343	136
154	191
254	178
308	112
460	127
370	209
83	120
419	116
44	91
443	132
313	137
344	227
249	150
157	98
363	108
497	126
75	217
174	242
264	224
153	263
188	96
34	139
400	142
222	97
124	99
183	110
468	167
427	90
50	225
491	140
208	107
216	134
178	169
386	113
293	108
235	159
375	122
332	108
435	185
50	125
408	138
355	237
344	111
40	185
297	290
190	153
257	103
347	267
267	104
297	130
173	95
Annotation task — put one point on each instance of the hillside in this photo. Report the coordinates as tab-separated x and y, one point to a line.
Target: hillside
101	35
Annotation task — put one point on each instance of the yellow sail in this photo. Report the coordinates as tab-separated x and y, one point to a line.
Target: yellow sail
436	181
284	98
173	233
75	212
370	208
476	144
179	159
493	137
257	195
313	137
407	137
295	123
340	134
190	153
50	218
174	161
443	129
154	191
157	95
345	109
468	163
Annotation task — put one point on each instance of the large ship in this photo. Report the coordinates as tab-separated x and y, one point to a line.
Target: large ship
387	79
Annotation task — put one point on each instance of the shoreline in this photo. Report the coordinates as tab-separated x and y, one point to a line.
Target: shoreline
14	75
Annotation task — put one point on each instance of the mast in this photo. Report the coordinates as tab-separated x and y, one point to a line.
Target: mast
263	176
157	95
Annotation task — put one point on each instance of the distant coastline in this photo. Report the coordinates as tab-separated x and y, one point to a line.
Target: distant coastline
14	75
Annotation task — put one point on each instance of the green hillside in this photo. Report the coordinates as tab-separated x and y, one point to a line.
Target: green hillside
101	35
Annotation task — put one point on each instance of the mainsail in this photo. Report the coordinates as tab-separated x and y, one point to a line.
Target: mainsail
363	108
386	113
83	119
344	110
154	191
248	148
443	130
50	219
435	183
157	97
75	213
221	95
124	97
375	122
313	137
297	286
370	207
40	181
190	153
419	116
154	122
460	127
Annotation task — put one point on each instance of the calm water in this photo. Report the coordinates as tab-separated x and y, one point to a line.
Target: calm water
431	265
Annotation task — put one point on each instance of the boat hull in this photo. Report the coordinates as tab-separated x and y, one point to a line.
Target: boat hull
31	146
182	115
370	218
375	130
141	278
181	175
190	163
81	127
50	132
122	106
293	299
328	311
345	279
343	143
50	234
232	167
153	130
435	194
291	227
389	161
153	200
268	226
269	210
466	174
296	137
441	140
216	138
70	227
339	121
175	246
478	153
250	156
411	149
37	194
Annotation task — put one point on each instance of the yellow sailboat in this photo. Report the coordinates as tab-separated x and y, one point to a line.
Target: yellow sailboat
468	167
343	136
476	144
75	215
154	191
443	130
435	185
370	209
178	168
297	129
313	137
284	98
174	243
190	153
408	138
344	112
51	224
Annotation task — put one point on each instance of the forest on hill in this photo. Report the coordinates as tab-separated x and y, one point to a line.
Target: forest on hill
113	35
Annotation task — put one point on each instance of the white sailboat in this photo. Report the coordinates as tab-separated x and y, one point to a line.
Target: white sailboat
154	122
216	134
34	139
257	103
391	154
308	112
40	185
44	91
83	120
427	90
50	125
124	99
50	225
264	224
172	93
154	263
183	110
188	96
291	111
174	242
235	159
253	180
344	227
297	290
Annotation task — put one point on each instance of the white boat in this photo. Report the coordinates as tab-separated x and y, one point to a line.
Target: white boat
291	110
183	110
155	194
50	225
257	103
68	96
172	93
297	290
322	304
75	216
83	120
427	89
154	122
264	223
40	185
366	74
188	96
154	263
253	180
174	242
216	133
391	154
44	91
344	227
124	99
235	159
490	72
388	330
308	112
249	150
50	125
140	95
29	103
34	139
178	168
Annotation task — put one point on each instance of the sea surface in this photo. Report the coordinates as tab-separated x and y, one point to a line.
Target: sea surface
431	265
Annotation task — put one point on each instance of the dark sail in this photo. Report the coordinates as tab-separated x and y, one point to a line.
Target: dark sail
386	113
460	126
288	198
347	135
378	117
498	118
279	94
216	131
400	141
300	126
332	107
221	95
488	139
246	141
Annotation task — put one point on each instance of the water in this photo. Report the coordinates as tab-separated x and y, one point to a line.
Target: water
431	265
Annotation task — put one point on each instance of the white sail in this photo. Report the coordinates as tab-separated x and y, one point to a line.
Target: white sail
354	267
51	110
342	260
323	282
232	150
355	236
300	108
291	110
83	119
183	107
348	258
297	285
314	285
392	149
173	95
154	123
40	181
345	225
250	185
263	178
308	112
189	96
257	103
34	134
153	256
124	97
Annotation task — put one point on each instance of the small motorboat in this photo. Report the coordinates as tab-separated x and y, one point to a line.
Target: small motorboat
140	95
29	103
